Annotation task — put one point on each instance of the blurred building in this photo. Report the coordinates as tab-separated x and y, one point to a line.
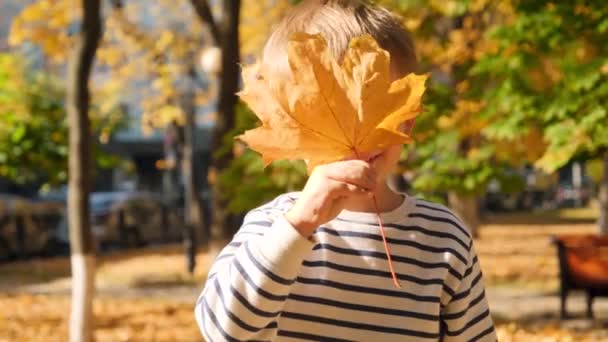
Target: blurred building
147	154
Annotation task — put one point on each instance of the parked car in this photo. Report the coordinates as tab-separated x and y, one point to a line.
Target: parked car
520	189
27	226
567	195
129	219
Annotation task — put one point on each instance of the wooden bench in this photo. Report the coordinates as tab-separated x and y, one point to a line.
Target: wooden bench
583	264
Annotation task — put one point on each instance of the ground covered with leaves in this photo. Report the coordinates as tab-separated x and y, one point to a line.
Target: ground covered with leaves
43	318
147	295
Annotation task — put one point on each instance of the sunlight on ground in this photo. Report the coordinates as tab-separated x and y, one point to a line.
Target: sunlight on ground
152	266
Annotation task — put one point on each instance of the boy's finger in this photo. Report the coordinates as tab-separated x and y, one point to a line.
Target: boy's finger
348	189
365	183
351	163
356	172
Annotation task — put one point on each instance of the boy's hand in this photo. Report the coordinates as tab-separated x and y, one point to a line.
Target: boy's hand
327	189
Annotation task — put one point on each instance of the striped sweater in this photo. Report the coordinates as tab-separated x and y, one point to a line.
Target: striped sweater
272	284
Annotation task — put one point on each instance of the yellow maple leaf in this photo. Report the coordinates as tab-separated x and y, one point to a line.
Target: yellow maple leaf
328	111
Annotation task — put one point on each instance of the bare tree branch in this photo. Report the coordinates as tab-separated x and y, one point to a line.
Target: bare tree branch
204	13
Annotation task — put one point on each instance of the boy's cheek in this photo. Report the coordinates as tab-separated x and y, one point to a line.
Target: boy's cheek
389	160
394	154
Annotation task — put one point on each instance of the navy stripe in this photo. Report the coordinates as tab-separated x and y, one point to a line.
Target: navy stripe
234	318
235	244
210	276
224	256
275	205
470	269
310	337
463	312
372	272
270	212
468	290
206	288
287	199
258	223
433	203
244	232
432	207
441	219
203	323
266	271
356	325
393	241
365	289
200	298
257	289
414	228
482	334
471	323
364	308
219	328
250	306
449	290
398	258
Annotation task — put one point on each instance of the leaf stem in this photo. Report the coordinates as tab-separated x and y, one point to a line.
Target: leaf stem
386	248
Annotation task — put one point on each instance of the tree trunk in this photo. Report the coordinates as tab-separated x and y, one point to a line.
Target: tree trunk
81	240
194	210
223	224
603	198
467	209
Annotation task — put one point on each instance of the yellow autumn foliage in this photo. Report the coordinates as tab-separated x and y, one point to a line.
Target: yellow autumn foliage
157	54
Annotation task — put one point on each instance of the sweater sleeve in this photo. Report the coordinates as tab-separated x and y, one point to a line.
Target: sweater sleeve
467	316
250	279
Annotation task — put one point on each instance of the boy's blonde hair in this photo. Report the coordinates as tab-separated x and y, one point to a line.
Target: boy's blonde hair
338	21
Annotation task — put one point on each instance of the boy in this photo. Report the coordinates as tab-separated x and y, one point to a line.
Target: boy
310	266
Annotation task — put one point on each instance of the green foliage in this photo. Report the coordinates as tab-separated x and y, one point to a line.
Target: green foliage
33	126
550	68
443	159
246	183
595	169
450	153
514	83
